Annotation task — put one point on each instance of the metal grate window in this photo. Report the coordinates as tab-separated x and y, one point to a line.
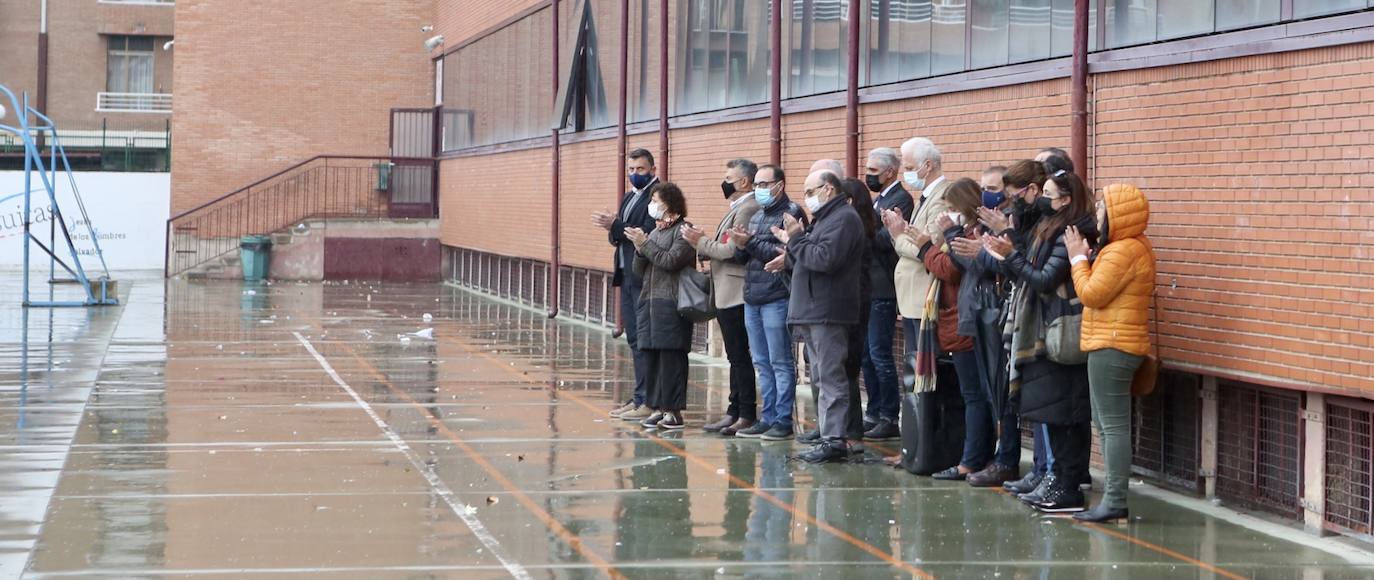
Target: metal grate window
1259	446
1165	437
1349	466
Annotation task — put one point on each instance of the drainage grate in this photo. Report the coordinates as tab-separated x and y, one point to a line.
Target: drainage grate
1165	440
1259	446
1349	473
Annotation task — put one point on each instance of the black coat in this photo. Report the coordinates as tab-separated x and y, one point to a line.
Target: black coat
762	287
624	248
1050	392
662	259
883	264
826	265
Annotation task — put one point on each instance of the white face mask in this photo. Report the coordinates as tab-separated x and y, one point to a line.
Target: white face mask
813	203
656	210
914	179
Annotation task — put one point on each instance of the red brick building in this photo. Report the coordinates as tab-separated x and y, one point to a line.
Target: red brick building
1247	123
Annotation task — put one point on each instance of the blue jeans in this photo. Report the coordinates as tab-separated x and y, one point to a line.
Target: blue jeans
978	426
770	345
880	370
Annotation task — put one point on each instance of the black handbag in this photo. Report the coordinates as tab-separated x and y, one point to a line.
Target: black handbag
932	422
694	301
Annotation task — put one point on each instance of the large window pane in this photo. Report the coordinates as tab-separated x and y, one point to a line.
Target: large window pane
725	54
1130	22
948	22
899	40
497	89
1233	14
1179	18
990	32
1062	24
817	37
1306	8
1030	34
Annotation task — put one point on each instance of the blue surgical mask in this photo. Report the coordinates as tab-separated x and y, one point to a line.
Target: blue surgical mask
763	195
992	199
914	179
640	181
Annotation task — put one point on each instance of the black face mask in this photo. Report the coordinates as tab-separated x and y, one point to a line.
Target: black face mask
1046	206
873	184
728	188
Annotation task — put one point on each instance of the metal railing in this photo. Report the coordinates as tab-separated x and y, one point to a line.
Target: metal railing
115	145
327	186
133	102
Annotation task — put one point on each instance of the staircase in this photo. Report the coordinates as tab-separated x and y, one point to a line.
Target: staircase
204	242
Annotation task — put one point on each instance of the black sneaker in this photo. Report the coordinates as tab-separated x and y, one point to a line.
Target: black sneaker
1038	494
856	448
754	432
1026	484
811	437
885	431
672	422
869	423
1062	498
779	433
653	420
826	452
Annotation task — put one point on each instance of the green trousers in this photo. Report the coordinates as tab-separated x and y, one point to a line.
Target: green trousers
1109	377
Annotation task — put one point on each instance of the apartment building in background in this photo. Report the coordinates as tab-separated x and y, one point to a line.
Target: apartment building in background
101	69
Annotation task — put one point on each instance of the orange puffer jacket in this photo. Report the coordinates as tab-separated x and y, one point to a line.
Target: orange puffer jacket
1117	286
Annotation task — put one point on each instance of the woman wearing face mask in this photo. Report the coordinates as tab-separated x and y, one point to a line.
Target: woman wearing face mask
1052	394
1116	288
964	197
664	335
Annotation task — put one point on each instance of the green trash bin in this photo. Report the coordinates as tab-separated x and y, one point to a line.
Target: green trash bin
383	175
255	252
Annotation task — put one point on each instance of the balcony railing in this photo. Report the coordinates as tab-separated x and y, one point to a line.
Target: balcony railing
133	102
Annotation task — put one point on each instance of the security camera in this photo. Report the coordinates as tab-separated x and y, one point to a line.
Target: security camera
168	45
427	28
434	42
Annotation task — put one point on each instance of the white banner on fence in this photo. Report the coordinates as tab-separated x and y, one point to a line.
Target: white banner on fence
128	212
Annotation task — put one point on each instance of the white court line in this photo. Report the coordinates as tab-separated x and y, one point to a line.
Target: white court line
474	524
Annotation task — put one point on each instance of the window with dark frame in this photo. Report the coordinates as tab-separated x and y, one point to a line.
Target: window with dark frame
130	64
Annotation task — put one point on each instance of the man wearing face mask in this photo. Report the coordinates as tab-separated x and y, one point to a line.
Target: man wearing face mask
633	213
766	305
924	173
883	174
727	289
825	301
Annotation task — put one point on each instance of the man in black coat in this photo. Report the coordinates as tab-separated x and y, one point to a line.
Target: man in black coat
883	177
633	213
824	302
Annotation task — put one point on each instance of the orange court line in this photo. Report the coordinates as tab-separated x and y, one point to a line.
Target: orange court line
534	508
841	534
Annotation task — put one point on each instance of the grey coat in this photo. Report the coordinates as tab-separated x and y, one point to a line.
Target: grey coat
659	262
826	265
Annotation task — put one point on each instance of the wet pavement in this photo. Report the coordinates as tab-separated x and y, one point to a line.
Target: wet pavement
221	429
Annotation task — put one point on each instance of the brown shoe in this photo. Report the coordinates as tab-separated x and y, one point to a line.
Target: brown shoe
724	422
993	475
738	426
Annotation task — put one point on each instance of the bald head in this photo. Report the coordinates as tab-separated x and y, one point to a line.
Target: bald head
828	165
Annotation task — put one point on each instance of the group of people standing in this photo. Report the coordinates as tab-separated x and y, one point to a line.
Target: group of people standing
1041	303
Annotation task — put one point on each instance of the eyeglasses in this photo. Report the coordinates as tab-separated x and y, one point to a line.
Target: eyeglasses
767	184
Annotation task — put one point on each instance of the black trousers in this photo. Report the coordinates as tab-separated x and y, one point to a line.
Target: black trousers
667	378
1070	447
744	393
629	306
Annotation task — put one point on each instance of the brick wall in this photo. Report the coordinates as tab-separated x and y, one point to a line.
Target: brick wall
19	44
1257	168
241	113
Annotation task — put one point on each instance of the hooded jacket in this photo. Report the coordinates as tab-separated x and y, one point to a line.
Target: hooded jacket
1117	286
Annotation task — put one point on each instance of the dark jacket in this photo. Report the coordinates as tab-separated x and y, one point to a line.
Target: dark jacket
624	248
659	262
884	260
982	289
825	271
762	287
1050	392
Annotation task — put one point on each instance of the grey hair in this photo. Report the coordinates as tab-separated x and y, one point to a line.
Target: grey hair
922	149
886	158
830	165
746	167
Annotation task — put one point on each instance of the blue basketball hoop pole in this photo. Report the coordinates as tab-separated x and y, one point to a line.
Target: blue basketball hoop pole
99	292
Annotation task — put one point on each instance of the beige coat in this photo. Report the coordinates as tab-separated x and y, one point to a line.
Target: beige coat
727	276
913	280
